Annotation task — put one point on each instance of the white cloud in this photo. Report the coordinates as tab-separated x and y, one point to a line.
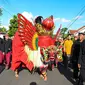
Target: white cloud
65	20
56	19
78	17
61	20
7	27
28	16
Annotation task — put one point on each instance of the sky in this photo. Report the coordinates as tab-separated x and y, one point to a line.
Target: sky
63	11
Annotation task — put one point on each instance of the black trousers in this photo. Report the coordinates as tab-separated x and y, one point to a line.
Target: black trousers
75	69
67	60
82	76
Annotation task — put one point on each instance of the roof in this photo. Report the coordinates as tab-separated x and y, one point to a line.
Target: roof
72	31
75	31
81	28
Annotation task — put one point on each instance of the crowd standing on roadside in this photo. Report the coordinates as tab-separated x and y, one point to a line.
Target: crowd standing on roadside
71	52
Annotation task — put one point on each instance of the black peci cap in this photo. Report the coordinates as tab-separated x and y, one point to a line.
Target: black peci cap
83	33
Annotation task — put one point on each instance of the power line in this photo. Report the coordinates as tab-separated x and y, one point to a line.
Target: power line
76	18
81	10
13	8
6	10
6	2
78	14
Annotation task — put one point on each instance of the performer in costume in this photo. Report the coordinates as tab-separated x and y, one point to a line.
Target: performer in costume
28	40
51	58
59	50
27	52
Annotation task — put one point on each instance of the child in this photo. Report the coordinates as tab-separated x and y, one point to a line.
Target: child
52	57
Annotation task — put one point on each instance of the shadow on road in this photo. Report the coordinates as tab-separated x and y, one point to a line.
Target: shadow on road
67	73
33	83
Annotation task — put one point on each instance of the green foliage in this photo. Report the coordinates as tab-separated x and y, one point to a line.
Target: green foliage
73	39
13	26
3	29
63	32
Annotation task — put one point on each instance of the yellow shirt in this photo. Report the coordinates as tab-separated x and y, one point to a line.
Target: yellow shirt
67	46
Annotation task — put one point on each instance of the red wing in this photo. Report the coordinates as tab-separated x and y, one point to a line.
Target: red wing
26	30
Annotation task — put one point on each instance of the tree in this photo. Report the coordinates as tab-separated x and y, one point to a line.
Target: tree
3	29
63	32
13	26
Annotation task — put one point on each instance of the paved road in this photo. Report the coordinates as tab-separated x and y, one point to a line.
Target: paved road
57	77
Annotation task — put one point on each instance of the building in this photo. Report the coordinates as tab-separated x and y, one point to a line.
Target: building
75	32
2	34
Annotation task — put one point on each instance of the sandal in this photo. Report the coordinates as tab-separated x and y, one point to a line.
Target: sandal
44	76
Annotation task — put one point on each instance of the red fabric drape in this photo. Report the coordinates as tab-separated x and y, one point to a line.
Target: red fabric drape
18	54
45	41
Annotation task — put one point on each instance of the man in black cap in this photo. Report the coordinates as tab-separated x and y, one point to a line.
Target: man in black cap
75	56
81	60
